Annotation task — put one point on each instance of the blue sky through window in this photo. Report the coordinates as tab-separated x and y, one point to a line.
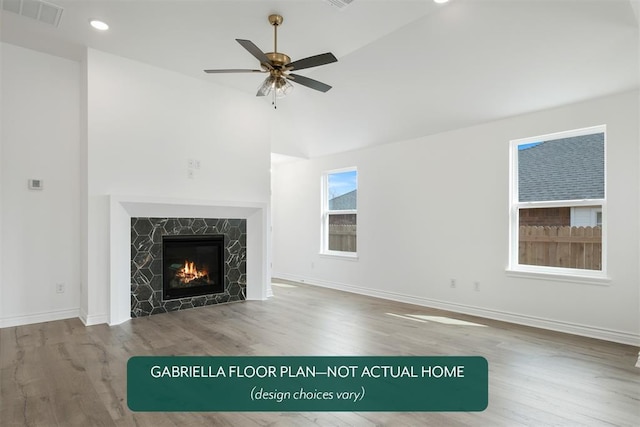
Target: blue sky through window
342	182
529	145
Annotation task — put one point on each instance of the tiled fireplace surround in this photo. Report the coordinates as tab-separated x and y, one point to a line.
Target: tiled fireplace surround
253	216
147	261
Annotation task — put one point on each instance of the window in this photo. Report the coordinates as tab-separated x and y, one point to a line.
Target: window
558	203
339	212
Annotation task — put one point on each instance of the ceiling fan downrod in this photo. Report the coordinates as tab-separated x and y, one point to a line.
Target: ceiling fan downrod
276	58
275	20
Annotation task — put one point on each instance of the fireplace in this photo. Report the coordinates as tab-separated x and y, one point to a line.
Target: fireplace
225	280
192	266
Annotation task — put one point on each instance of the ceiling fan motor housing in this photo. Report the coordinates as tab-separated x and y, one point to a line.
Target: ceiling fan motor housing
278	59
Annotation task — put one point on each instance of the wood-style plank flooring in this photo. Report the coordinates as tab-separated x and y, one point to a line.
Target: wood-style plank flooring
65	374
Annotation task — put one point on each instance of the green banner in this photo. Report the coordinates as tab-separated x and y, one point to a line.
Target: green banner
332	383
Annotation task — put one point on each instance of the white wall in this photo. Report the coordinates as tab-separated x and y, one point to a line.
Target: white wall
436	208
143	124
1	193
107	126
40	234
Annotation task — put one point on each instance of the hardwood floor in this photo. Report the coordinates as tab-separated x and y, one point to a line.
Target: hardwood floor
65	374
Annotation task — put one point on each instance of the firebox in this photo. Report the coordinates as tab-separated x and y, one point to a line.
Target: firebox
192	265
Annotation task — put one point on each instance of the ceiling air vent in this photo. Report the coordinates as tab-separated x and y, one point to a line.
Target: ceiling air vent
340	4
39	10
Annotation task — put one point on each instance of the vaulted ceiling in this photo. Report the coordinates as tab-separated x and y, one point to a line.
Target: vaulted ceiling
405	68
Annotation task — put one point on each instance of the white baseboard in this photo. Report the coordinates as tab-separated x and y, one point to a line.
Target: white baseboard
95	319
520	319
47	316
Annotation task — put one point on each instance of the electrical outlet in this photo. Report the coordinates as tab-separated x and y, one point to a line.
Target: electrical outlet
453	283
190	174
196	164
476	286
190	163
60	288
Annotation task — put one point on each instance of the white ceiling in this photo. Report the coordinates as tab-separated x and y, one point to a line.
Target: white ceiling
405	68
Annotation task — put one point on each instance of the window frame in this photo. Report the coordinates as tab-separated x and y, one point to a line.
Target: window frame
560	273
326	212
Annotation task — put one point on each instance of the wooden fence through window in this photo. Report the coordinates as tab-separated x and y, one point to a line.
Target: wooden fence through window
342	237
570	247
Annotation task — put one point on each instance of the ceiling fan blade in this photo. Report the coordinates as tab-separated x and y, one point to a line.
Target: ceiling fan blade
310	83
233	70
313	61
255	51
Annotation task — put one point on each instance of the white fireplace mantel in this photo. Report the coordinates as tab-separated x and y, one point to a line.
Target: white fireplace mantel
123	208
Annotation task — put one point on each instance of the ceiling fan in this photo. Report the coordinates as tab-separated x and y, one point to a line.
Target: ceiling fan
279	67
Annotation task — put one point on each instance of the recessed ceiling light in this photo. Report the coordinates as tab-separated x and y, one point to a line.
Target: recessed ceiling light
440	1
99	25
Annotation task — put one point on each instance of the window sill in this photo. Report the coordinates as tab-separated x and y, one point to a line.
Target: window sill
349	256
599	278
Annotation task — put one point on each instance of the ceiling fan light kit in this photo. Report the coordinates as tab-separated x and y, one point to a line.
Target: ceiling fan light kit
279	66
279	86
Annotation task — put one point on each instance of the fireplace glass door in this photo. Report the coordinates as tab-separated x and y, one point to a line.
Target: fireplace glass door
192	265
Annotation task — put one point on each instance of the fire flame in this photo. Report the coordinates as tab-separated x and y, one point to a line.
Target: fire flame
189	272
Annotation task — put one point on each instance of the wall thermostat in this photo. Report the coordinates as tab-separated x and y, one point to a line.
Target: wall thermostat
35	184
